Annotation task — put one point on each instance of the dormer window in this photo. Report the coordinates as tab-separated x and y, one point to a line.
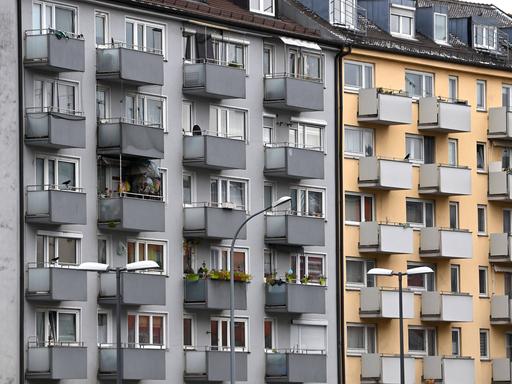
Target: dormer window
441	28
485	37
402	21
265	7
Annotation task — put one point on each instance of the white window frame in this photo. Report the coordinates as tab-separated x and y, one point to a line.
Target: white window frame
459	341
64	235
300	61
140	99
483	87
508	89
56	159
106	29
221	46
455	81
299	129
365	327
424	76
306	255
361	197
146	241
454	144
272	128
272	54
193	197
366	268
486	283
485	332
273	328
220	109
145	23
192	36
136	335
108	247
45	4
456	268
107	313
445	16
261	10
108	102
427	348
190	106
76	312
306	189
364	80
361	131
226	250
486	29
425	277
412	157
455	205
273	260
53	104
482	208
403	12
274	191
423	202
228	203
221	319
484	145
192	332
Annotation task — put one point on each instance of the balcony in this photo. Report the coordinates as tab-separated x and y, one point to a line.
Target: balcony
500	124
51	283
500	248
449	370
386	174
382	303
291	162
132	213
214	80
444	180
214	152
446	243
138	363
54	128
287	92
213	295
58	361
129	64
380	368
285	228
501	370
212	365
54	51
213	221
500	183
295	298
443	115
443	306
385	107
130	138
501	310
386	238
136	288
296	366
46	205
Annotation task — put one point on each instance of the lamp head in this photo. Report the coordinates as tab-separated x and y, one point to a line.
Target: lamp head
141	265
380	272
94	267
281	201
419	271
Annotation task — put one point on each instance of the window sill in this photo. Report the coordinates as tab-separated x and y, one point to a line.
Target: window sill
354	288
355	354
482	234
351	90
484	297
353	157
352	224
481	110
481	172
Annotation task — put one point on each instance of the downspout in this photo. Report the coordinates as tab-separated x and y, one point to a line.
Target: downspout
338	179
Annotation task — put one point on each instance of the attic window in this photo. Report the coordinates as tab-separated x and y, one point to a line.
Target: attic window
440	28
485	37
402	22
265	7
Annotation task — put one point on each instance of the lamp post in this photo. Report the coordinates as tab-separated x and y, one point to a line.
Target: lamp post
131	267
389	272
277	203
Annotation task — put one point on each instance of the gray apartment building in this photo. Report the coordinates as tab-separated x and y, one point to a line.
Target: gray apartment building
149	130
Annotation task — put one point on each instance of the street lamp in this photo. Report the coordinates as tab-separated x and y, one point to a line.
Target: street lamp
130	267
281	201
388	272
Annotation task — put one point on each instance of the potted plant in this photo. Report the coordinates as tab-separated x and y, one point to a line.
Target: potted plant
305	279
322	280
290	277
242	277
191	277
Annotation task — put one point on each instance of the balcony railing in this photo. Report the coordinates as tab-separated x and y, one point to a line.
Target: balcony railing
54	50
386	238
445	180
449	369
382	303
386	174
136	288
446	306
291	298
55	205
385	107
211	364
291	161
444	115
500	183
293	92
500	248
291	228
501	310
381	368
209	294
500	124
501	370
446	243
55	283
296	366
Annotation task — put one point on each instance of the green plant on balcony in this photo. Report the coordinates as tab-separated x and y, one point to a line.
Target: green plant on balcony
290	277
322	280
304	279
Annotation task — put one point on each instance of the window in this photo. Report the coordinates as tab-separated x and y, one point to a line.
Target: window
189	256
103	250
507	221
188	332
482	281
508	344
455	278
359	208
228	193
103	328
359	141
58	248
308	337
441	28
269	263
357	273
304	64
311	265
420	213
145	109
187	189
59	96
146	329
485	37
484	344
220	335
361	338
456	350
453	152
481	95
268	194
189	47
306	136
268	60
454	215
482	219
54	16
358	75
56	173
57	326
101	28
220	259
145	36
425	282
268	129
402	22
480	157
102	103
506	92
269	334
229	53
419	84
307	201
262	6
187	116
344	13
228	122
420	149
505	158
141	250
422	341
453	88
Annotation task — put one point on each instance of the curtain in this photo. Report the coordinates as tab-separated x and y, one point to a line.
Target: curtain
355	271
430	149
102	328
204	46
40	328
353	208
355	338
158	330
64	19
237	193
155	112
52	320
315	203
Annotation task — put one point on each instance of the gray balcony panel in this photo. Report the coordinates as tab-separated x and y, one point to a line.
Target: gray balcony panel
295	368
501	370
295	230
385	238
54	54
500	309
213	366
437	306
446	243
376	368
214	81
442	116
56	207
213	295
213	152
444	180
500	124
120	138
384	174
213	222
56	284
295	298
376	302
382	108
55	130
57	363
131	214
500	246
294	94
294	163
136	288
130	66
138	363
449	370
500	186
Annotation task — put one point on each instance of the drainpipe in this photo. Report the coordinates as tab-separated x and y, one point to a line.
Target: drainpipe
338	135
